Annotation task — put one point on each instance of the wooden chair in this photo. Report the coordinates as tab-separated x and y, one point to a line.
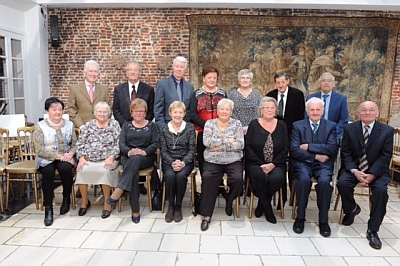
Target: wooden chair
384	120
25	169
226	187
248	187
4	147
395	162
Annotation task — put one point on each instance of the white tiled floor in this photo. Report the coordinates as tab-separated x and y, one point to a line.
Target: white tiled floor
230	241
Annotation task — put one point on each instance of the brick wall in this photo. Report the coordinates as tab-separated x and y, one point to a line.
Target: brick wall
148	35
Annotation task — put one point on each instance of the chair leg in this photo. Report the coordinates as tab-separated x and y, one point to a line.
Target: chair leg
337	202
194	189
1	198
251	205
35	190
163	197
341	215
238	207
7	189
245	193
148	183
281	202
294	205
73	199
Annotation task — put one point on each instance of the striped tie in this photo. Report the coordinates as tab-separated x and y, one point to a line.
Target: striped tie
363	161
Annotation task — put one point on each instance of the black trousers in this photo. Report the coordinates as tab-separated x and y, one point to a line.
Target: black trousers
200	151
211	180
175	183
48	172
346	183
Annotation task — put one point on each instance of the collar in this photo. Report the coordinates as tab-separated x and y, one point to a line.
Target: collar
87	84
136	85
171	129
285	93
370	126
311	122
330	94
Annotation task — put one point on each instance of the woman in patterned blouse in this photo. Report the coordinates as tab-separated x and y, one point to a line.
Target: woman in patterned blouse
138	143
267	146
98	154
224	141
246	99
177	142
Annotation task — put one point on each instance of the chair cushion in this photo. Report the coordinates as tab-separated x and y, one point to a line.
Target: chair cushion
22	167
396	158
2	167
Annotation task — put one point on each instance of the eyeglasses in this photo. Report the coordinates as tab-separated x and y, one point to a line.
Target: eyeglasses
138	111
133	70
245	78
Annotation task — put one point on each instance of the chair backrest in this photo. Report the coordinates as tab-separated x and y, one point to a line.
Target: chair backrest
384	120
25	142
4	145
12	123
396	141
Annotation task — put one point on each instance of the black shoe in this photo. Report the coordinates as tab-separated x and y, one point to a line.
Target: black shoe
105	214
78	194
223	192
229	209
324	229
112	201
374	240
259	210
169	216
349	218
48	216
204	225
298	226
142	189
82	211
136	220
269	213
178	214
65	205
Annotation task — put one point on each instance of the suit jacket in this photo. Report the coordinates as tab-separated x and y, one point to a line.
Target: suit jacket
165	94
327	144
378	149
338	111
121	104
295	106
79	107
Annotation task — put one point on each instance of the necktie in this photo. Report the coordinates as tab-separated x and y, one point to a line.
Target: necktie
91	92
324	97
178	90
363	161
133	93
280	107
314	130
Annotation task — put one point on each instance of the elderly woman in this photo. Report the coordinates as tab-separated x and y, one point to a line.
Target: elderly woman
54	139
177	142
224	141
246	99
138	144
267	146
98	154
203	107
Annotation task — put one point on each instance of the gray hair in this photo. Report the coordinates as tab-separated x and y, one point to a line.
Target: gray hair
326	74
245	72
100	105
91	63
362	105
225	101
267	99
133	62
315	100
180	59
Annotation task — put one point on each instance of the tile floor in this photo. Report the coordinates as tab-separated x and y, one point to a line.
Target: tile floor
90	240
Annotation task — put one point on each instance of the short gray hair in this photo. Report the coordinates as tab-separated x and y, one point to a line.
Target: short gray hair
315	100
180	59
225	101
133	62
91	63
245	72
100	105
267	99
327	74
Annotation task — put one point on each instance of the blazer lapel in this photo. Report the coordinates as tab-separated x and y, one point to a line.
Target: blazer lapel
173	87
139	91
332	105
125	90
376	131
358	130
84	91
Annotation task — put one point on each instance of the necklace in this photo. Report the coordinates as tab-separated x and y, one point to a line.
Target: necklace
174	141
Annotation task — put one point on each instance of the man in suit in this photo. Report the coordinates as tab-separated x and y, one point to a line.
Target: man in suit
173	88
125	92
366	151
85	95
336	108
292	105
313	146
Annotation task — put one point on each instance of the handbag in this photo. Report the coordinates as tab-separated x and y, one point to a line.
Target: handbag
196	209
156	200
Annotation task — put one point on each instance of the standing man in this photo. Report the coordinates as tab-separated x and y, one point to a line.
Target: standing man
366	153
125	92
336	108
290	109
313	146
173	88
85	95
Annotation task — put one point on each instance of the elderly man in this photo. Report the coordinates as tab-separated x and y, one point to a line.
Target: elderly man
85	95
173	88
125	92
336	108
313	146
366	153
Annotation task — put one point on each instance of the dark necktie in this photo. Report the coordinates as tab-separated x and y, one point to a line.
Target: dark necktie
178	89
314	130
133	93
324	97
363	166
280	107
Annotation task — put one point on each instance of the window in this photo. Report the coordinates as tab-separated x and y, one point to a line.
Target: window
12	93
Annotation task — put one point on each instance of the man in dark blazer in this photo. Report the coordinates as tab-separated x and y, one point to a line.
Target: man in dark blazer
79	104
336	108
373	172
173	88
123	94
293	110
314	148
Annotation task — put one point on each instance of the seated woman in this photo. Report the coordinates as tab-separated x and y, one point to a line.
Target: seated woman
138	144
224	141
98	154
267	146
54	139
177	143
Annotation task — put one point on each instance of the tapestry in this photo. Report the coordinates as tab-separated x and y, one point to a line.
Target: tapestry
359	52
